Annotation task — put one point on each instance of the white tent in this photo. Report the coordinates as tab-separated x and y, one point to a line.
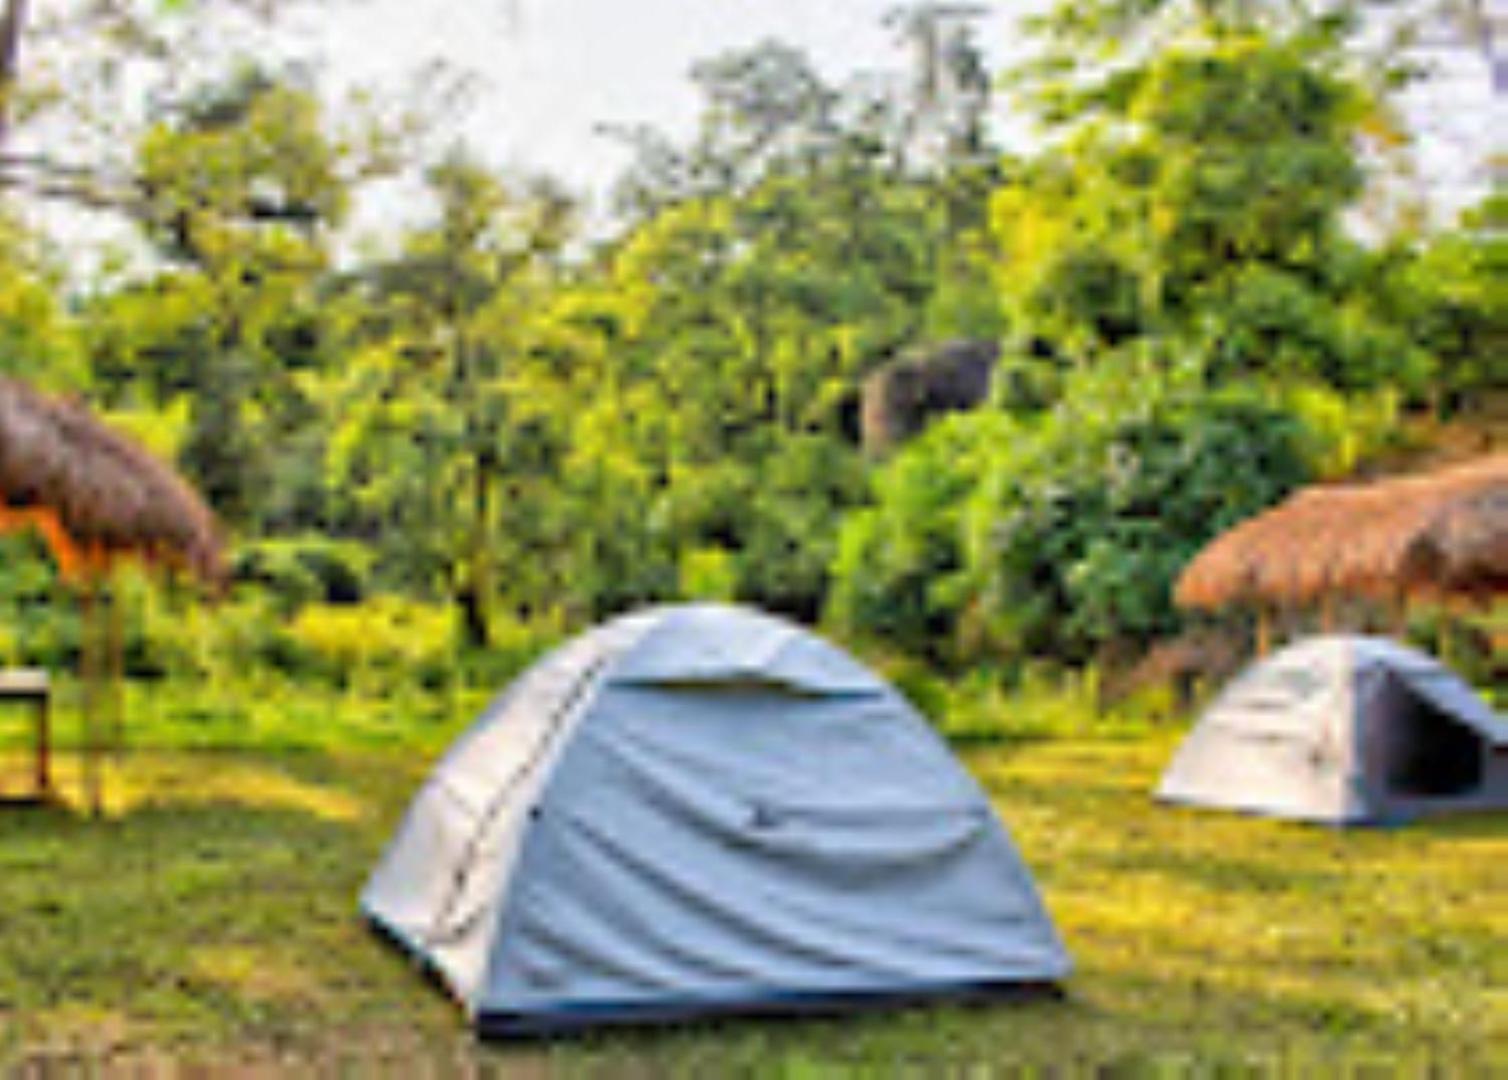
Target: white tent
703	808
1344	729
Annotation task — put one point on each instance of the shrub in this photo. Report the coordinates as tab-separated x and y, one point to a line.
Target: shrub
1060	534
1080	551
305	569
382	636
707	573
1273	322
1452	294
897	572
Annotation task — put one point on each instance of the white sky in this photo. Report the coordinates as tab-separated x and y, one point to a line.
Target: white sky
547	73
550	71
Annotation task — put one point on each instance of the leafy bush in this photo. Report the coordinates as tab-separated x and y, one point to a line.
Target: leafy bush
707	573
1339	432
759	526
899	566
1452	295
1060	534
1196	212
1269	321
38	612
1081	551
306	569
802	488
351	643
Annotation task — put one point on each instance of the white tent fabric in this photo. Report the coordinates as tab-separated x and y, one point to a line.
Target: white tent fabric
700	808
1344	729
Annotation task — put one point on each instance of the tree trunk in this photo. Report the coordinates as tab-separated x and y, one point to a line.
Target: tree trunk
12	22
475	593
115	669
92	678
473	616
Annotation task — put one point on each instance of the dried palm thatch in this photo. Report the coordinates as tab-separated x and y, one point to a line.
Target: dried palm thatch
1442	534
96	495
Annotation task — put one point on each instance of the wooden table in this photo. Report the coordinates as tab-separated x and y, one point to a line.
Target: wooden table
33	685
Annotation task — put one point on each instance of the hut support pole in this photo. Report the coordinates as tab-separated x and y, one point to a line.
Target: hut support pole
1264	631
116	674
44	748
1400	615
89	663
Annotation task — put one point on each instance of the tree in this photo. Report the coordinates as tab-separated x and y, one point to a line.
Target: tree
81	81
1183	300
1451	292
424	436
65	67
797	241
1194	209
40	339
241	190
944	115
1059	536
794	243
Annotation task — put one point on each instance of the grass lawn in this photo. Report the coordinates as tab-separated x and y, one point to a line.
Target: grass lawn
212	917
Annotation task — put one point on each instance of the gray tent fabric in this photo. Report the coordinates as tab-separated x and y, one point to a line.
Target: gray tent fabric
1344	729
703	808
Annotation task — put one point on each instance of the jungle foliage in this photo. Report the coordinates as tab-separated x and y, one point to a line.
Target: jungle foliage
488	422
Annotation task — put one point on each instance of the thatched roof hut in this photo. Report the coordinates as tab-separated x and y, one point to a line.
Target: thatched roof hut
1436	534
96	494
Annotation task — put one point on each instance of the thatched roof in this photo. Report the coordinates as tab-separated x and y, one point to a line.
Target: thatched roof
96	494
1442	534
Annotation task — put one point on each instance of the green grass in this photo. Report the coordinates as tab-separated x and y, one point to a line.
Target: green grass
212	917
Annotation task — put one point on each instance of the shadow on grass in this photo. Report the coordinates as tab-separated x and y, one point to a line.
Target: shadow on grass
1469	825
1232	874
967	740
985	1038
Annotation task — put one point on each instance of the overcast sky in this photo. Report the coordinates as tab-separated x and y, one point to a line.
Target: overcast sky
550	71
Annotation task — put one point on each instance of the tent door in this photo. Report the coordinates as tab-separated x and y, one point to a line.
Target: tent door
1429	754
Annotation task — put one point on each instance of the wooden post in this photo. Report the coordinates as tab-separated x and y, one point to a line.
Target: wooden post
33	688
1400	620
44	747
88	665
116	674
1264	631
